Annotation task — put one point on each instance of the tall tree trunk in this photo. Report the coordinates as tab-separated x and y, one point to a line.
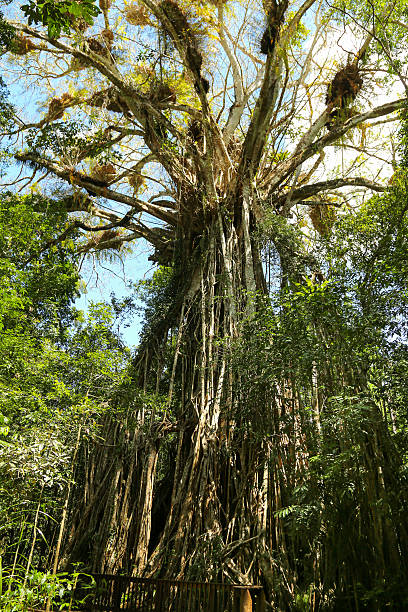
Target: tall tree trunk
201	488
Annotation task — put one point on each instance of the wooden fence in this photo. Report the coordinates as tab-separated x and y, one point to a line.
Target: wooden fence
117	593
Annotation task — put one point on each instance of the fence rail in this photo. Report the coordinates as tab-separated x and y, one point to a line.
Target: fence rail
119	593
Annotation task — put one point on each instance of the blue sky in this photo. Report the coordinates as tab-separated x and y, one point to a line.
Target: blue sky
101	279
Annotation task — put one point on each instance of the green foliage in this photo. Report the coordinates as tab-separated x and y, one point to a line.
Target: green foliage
40	285
70	139
157	294
6	113
7	32
21	591
57	16
287	240
342	344
35	312
58	370
386	22
98	357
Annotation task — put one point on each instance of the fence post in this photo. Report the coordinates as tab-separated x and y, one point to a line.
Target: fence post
245	601
260	601
211	598
117	593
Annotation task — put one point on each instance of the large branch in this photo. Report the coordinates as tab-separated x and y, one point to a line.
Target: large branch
160	237
307	191
286	168
77	224
175	23
184	44
140	106
259	127
139	231
236	71
237	109
94	187
296	20
240	98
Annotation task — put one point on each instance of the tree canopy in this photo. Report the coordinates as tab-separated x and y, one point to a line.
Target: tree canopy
164	111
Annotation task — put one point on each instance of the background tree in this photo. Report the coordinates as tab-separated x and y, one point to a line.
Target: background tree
56	374
197	127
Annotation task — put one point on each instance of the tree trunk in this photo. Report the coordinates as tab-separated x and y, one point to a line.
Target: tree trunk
229	467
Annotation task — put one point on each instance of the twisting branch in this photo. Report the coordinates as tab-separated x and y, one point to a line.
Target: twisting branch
285	169
307	191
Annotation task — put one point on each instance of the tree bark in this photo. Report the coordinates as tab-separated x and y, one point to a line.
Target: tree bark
216	509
